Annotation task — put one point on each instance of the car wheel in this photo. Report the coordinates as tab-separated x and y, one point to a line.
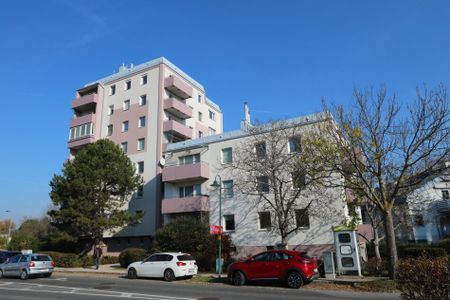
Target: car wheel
132	274
169	275
24	275
238	278
294	280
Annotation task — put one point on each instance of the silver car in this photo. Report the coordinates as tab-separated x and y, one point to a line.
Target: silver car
26	265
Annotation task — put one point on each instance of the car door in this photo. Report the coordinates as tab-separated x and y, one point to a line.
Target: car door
279	263
146	267
12	267
160	265
259	266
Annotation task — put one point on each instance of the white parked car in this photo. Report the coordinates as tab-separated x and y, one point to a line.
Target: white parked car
168	265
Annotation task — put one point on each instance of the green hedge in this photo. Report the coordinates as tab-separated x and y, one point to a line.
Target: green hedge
443	244
131	255
72	260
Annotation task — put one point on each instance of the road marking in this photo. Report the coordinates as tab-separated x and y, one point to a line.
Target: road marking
42	288
59	279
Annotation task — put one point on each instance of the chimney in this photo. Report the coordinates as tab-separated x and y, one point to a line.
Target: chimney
245	124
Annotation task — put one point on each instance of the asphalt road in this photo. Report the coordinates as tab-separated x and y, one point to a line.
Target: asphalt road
71	287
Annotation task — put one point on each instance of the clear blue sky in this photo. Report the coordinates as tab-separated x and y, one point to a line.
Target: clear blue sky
281	56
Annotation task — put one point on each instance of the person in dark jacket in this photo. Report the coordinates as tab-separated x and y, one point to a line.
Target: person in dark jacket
97	255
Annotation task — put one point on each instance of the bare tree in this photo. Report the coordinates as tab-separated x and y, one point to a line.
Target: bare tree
384	151
274	168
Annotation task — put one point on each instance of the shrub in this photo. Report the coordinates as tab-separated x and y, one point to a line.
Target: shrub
373	267
109	260
64	260
424	278
424	251
131	255
443	244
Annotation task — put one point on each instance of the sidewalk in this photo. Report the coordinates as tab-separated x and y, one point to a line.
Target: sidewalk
115	269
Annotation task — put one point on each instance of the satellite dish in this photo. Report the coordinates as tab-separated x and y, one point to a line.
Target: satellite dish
162	162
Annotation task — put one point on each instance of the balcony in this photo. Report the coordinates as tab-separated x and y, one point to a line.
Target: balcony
183	173
80	142
178	108
178	87
89	118
187	204
89	99
177	129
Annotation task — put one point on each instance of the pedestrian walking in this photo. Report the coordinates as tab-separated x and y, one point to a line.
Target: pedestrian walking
97	255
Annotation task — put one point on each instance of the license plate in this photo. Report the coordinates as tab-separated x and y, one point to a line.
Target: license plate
191	270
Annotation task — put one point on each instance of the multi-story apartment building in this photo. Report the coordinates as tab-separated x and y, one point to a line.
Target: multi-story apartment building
143	109
191	167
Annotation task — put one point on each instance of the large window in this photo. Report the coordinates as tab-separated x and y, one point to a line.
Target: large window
190	190
228	188
264	220
81	131
189	159
262	184
260	149
302	218
227	155
229	222
294	144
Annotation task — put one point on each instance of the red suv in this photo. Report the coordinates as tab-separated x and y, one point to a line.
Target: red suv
295	268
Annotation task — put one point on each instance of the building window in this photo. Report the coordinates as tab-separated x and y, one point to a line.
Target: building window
126	105
125	126
143	100
229	222
112	90
127	85
227	155
140	168
140	191
200	134
228	188
144	79
294	144
212	131
189	159
199	98
125	147
264	220
141	144
141	121
260	149
262	184
212	115
110	110
200	116
298	180
81	131
110	130
302	218
445	195
190	190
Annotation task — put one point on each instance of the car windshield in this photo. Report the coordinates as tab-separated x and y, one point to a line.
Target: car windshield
185	257
40	258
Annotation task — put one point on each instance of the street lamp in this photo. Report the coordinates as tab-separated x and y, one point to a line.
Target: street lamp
9	227
218	184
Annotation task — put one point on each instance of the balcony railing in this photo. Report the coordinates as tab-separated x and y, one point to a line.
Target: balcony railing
183	173
178	108
187	204
85	100
76	121
177	129
178	87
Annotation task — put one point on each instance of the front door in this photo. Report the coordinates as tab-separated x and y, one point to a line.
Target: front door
259	266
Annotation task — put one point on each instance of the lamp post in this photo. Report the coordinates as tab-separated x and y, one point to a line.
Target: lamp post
218	184
9	227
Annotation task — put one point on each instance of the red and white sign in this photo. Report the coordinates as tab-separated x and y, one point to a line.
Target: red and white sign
215	229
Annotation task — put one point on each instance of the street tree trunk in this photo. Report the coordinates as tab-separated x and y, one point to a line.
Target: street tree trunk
376	244
390	243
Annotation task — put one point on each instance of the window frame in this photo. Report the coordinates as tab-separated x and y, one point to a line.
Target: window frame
127	85
298	144
141	122
222	152
144	79
225	219
140	167
126	105
141	140
112	90
125	126
143	100
124	146
228	192
260	214
259	147
263	186
299	214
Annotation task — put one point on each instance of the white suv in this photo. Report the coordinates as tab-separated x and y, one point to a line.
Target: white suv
167	265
